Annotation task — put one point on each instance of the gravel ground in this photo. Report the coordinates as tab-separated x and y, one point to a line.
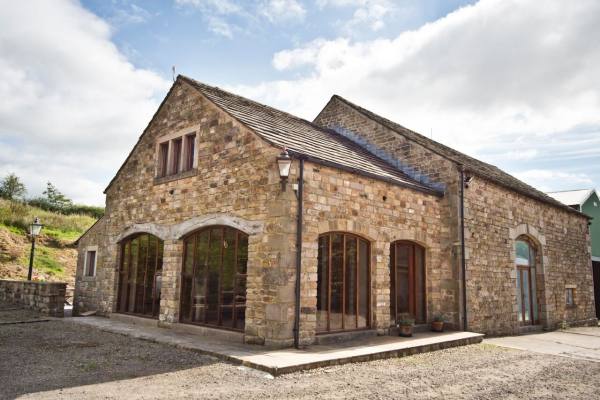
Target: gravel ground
63	360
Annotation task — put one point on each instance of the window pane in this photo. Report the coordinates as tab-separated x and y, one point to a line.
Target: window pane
242	261
402	284
322	284
240	303
351	281
534	294
91	263
522	252
200	294
158	283
363	284
186	306
125	259
393	283
189	256
420	272
131	276
148	300
519	295
337	281
526	297
227	279
176	157
214	271
141	275
191	149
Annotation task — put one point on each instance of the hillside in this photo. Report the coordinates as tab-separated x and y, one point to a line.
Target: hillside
55	252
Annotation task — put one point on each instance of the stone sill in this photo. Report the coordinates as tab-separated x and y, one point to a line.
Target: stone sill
88	278
569	307
171	178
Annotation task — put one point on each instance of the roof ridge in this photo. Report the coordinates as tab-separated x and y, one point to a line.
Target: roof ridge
260	104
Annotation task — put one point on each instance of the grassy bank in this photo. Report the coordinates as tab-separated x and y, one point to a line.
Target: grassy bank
55	254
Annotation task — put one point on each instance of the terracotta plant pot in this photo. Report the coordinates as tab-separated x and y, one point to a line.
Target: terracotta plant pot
438	326
406	330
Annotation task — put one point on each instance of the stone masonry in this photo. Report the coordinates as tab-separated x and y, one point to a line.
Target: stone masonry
45	297
236	184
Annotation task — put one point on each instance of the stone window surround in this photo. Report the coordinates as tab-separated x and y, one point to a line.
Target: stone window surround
85	277
544	305
169	138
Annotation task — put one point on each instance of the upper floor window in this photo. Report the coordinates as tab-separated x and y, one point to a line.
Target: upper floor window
176	153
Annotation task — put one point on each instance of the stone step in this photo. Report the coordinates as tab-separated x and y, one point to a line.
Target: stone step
332	338
530	329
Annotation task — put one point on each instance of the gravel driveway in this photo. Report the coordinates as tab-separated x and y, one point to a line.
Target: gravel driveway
52	360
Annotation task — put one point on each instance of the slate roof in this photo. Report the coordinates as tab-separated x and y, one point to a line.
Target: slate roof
304	138
572	197
480	168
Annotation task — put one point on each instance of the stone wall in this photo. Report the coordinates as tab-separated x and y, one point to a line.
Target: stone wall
89	294
494	217
338	201
46	297
423	162
236	180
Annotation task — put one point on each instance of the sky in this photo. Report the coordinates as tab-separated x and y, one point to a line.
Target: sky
514	83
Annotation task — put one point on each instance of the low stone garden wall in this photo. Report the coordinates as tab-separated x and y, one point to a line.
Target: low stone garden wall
46	297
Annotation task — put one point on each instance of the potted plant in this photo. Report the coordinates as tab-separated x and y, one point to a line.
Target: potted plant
406	326
438	323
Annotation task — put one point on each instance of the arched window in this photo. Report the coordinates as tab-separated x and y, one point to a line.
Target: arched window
526	281
140	275
213	278
407	282
343	295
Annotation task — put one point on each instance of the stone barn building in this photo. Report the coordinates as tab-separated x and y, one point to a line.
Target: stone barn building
202	234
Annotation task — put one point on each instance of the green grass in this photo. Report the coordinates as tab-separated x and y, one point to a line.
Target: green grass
43	261
16	217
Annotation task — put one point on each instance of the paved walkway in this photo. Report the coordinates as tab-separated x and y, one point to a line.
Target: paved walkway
581	343
277	362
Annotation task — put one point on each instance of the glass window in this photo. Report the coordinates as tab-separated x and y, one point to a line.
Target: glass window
570	297
342	283
90	267
214	278
140	275
523	254
407	282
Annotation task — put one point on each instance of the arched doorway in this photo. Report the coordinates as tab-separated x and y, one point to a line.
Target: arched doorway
213	278
140	275
343	283
407	282
526	281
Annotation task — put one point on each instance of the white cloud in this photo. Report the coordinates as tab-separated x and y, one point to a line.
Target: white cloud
71	105
548	180
484	75
370	13
522	154
134	15
283	11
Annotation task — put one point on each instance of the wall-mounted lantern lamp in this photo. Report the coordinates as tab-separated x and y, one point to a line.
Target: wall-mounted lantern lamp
468	181
34	228
284	162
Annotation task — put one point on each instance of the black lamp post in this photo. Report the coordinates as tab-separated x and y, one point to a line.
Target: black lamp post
284	162
34	228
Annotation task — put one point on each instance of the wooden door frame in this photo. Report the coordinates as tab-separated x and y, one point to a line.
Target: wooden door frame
412	280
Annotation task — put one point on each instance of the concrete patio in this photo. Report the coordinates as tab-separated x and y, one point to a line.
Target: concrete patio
277	362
